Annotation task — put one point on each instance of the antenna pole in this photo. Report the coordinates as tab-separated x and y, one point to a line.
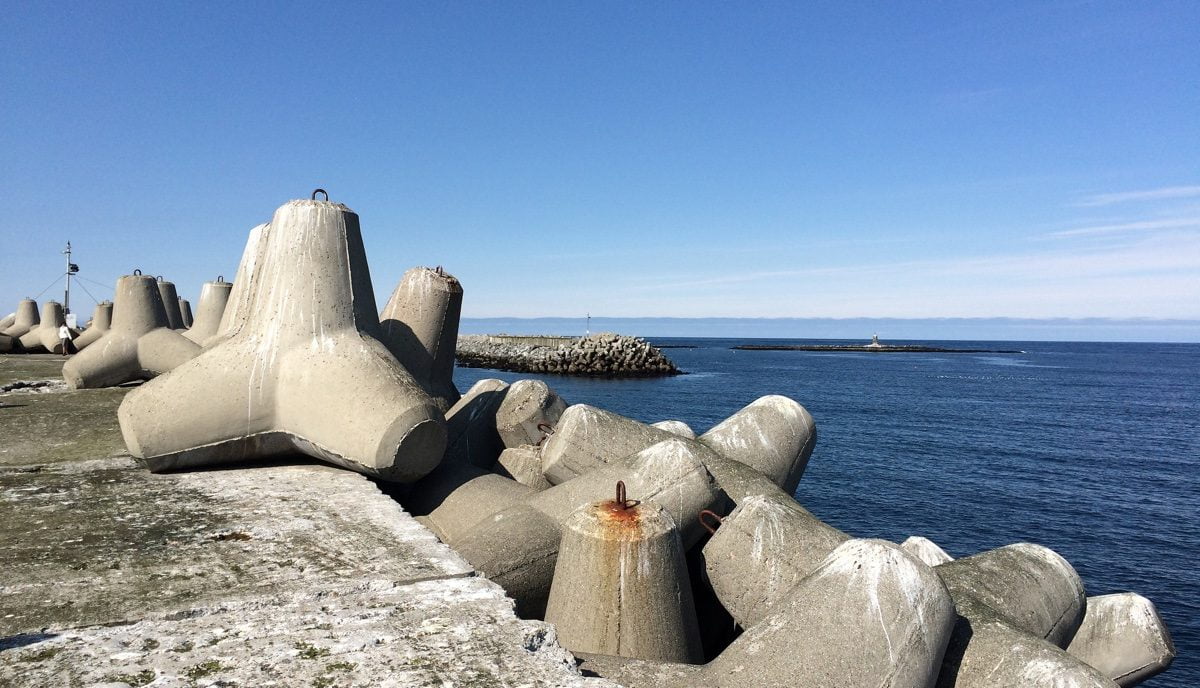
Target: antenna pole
588	330
67	294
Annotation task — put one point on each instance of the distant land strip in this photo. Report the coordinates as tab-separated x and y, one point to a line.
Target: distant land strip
882	349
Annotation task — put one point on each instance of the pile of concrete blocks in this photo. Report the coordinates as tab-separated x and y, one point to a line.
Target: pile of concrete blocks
664	558
599	355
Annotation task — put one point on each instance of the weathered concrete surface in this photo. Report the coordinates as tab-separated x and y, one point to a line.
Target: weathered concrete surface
926	550
25	319
43	421
419	324
101	322
1123	637
528	413
762	550
213	298
139	345
587	437
7	343
675	427
773	434
302	369
524	465
185	312
621	585
170	299
238	303
281	575
7	321
44	337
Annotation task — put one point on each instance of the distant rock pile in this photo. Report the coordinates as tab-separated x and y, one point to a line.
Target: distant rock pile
599	355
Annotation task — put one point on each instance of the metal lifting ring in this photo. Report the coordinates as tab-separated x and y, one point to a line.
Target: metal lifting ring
137	272
322	191
621	500
159	278
440	271
711	529
547	430
220	278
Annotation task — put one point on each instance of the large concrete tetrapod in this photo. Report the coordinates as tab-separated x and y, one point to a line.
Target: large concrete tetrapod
44	337
239	295
621	585
185	312
101	322
25	319
213	298
1123	637
302	369
170	299
139	345
420	327
586	438
761	550
528	413
773	434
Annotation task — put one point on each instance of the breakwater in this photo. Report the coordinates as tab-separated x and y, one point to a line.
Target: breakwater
871	348
599	355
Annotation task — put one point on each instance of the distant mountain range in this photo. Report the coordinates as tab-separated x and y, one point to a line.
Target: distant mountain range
889	329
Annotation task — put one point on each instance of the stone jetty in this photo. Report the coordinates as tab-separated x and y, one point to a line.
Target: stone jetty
359	522
598	355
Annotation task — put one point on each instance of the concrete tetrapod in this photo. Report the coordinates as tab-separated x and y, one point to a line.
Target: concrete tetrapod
25	319
301	371
621	585
587	437
761	550
185	312
213	298
1123	637
1018	606
44	337
101	322
926	550
170	300
139	345
240	294
773	435
471	439
517	547
7	321
675	427
528	413
870	615
420	327
524	465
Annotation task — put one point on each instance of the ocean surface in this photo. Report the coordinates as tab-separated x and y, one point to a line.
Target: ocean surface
1091	449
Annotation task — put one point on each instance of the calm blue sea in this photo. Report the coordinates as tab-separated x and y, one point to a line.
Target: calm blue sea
1091	449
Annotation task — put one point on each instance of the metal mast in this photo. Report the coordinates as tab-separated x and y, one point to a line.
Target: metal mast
67	294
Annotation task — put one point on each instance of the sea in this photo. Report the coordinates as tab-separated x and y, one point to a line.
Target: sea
1091	449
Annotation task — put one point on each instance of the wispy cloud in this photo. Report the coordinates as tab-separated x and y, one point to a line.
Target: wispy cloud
1140	226
1166	193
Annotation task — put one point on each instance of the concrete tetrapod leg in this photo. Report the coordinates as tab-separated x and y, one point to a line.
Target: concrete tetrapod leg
528	413
1034	588
185	312
621	585
7	343
1123	637
138	346
471	438
986	651
101	323
213	298
773	434
926	550
25	319
237	307
7	321
675	427
870	615
762	550
302	371
44	337
170	299
472	502
587	437
524	465
420	327
517	547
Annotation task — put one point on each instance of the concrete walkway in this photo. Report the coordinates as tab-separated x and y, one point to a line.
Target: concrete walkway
278	575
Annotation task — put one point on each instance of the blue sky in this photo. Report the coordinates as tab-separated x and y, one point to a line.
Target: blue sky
911	160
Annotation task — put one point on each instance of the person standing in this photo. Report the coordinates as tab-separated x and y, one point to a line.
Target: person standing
64	334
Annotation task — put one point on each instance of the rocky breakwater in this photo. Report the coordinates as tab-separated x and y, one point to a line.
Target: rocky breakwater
599	355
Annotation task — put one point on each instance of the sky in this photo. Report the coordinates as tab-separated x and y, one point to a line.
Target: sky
627	160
